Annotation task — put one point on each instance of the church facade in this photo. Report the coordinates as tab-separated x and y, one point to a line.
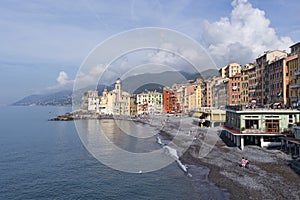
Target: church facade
115	102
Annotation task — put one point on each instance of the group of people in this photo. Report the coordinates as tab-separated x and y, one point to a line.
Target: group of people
245	163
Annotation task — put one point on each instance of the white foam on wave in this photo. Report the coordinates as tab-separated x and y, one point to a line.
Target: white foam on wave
182	166
172	152
159	140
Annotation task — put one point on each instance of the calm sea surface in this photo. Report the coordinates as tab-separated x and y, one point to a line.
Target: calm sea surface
41	159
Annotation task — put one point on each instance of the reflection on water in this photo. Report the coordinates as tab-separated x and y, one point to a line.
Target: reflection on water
107	141
43	159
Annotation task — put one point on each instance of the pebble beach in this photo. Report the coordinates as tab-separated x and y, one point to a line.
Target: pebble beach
273	174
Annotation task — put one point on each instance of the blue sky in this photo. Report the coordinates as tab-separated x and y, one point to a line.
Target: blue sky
43	43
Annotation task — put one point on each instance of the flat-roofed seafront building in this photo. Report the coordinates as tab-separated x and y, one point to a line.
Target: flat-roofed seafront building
258	126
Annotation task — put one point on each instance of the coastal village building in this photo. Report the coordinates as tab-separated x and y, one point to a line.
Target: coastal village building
179	90
216	92
293	65
262	78
230	70
276	81
149	103
233	86
190	98
201	90
115	102
133	107
273	80
193	95
209	91
170	104
234	89
252	84
258	126
91	101
220	94
245	83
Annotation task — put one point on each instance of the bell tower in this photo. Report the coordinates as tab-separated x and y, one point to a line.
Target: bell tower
118	89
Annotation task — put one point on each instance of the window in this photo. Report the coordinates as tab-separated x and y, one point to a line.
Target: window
272	126
251	124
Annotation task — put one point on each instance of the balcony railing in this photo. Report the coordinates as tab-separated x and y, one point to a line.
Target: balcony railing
296	85
297	72
255	131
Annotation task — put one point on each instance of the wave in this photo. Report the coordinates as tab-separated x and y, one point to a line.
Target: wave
159	140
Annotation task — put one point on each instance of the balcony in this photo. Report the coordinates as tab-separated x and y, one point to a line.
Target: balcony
296	85
297	73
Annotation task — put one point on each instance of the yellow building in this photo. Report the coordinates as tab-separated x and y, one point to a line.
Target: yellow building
245	84
194	95
133	107
293	65
230	70
191	99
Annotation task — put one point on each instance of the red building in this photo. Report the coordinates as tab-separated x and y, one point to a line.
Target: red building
170	103
234	92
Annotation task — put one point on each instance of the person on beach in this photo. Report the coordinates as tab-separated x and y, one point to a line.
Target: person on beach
243	162
247	165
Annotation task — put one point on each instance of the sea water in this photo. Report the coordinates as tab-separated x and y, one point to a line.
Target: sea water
41	159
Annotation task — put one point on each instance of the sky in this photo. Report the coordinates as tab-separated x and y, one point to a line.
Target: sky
44	43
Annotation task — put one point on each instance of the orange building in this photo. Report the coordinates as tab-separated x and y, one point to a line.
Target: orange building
235	89
170	102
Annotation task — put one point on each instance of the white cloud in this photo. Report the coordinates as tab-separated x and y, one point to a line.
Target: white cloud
91	76
63	82
163	57
242	36
62	78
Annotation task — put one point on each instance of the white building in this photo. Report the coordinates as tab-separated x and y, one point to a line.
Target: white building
115	102
149	103
91	101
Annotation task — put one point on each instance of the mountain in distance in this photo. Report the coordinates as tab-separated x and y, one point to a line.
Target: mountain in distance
156	81
210	73
58	98
133	84
149	87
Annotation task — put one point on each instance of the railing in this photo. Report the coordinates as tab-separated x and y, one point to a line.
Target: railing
254	131
296	85
297	72
264	131
243	108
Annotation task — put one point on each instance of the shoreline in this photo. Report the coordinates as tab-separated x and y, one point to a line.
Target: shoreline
271	175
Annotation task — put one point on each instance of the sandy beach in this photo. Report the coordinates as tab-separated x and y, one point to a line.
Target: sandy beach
272	174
